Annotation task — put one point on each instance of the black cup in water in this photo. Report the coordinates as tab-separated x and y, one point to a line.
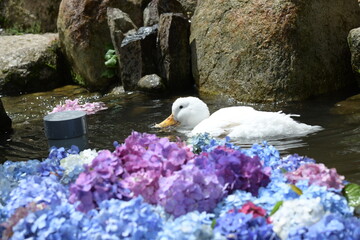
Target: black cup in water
67	128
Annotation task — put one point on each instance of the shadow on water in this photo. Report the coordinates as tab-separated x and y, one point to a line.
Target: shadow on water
338	145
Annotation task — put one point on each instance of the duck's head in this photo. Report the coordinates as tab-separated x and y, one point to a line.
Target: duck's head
187	112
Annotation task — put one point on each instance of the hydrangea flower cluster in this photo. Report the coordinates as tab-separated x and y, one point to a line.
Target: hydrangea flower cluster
11	173
18	215
317	174
184	188
193	225
99	181
189	190
73	164
331	226
118	219
295	214
234	169
203	142
36	189
59	222
238	225
89	108
146	158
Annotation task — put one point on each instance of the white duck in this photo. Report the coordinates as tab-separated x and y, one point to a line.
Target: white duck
192	114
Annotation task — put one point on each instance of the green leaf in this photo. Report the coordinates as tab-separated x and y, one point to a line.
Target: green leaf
352	194
213	223
296	189
112	62
276	207
109	54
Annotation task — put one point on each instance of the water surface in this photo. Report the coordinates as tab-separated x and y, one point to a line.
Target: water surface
338	145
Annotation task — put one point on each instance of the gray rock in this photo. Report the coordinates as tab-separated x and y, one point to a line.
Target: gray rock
354	44
151	84
5	121
29	63
174	51
157	7
138	56
119	23
29	15
85	36
272	50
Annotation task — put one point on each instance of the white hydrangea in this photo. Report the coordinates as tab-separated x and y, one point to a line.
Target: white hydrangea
84	157
297	213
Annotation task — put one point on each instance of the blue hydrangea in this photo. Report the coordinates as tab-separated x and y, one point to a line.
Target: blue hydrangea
267	153
332	226
191	226
205	143
36	189
60	222
242	226
119	219
331	199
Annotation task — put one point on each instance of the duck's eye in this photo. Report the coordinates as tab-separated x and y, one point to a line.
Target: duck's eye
181	106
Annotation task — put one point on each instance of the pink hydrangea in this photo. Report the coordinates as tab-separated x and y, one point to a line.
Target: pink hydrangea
146	158
89	108
317	174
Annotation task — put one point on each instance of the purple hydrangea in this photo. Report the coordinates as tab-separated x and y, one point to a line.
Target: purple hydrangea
317	174
189	190
331	226
234	169
242	226
146	158
101	180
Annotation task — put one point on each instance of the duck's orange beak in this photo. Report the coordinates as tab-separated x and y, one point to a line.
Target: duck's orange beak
169	121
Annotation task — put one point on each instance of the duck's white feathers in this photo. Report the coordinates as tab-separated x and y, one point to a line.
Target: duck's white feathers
246	122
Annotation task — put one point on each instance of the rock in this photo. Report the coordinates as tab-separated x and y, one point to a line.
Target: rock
272	50
354	44
157	7
29	15
174	51
30	63
5	121
189	6
85	37
119	24
151	84
138	56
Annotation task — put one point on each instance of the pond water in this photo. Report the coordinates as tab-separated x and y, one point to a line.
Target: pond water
338	145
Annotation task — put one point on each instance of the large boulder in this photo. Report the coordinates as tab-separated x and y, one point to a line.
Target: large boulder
354	44
138	56
29	15
174	51
85	36
5	121
157	7
272	50
30	63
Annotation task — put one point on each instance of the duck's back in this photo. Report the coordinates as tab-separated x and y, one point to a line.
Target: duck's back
246	122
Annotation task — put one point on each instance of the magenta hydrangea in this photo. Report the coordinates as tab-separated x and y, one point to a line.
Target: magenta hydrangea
89	108
146	158
100	181
234	169
190	189
317	174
